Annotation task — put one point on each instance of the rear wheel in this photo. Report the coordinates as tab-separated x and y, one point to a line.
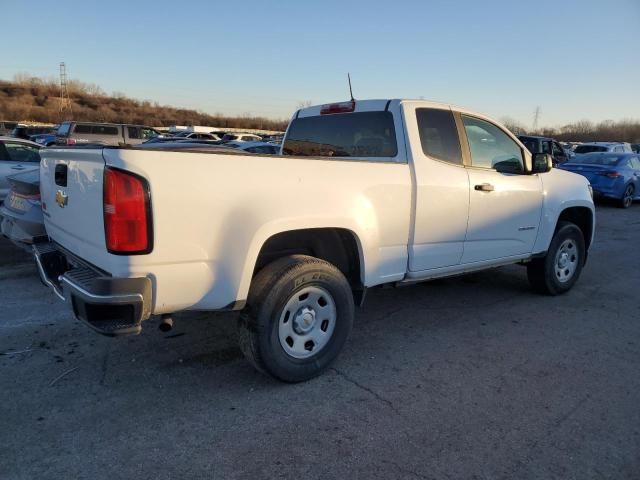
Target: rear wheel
298	316
560	269
627	196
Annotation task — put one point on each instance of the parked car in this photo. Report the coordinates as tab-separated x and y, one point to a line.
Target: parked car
617	147
241	137
7	127
208	145
22	219
366	193
16	155
72	133
536	144
44	139
197	136
256	147
612	175
27	131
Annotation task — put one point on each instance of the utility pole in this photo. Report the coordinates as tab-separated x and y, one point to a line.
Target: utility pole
536	117
65	101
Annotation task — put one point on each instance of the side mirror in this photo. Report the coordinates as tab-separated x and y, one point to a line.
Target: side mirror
542	163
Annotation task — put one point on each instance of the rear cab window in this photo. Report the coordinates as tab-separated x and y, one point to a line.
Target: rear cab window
368	134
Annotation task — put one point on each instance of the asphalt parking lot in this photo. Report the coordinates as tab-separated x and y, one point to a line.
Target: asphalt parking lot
467	378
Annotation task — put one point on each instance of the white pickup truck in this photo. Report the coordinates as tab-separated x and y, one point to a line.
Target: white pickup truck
364	193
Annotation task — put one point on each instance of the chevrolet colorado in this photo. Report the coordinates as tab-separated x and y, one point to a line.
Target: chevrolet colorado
364	193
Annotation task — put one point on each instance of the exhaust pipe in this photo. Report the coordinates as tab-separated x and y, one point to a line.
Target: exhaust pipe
166	323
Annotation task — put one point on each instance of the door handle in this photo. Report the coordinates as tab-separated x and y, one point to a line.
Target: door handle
484	187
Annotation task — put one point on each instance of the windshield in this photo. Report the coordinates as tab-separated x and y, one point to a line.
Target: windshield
610	160
63	129
590	148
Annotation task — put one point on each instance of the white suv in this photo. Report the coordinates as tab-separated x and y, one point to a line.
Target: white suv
617	147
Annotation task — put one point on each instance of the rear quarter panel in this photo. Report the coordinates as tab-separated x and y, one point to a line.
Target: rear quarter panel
213	212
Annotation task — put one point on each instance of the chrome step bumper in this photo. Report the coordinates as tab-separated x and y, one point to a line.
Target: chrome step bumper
111	306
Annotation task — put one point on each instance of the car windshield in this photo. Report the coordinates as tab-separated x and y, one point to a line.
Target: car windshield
63	129
590	148
598	159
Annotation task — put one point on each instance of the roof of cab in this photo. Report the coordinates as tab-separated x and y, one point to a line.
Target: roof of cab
372	105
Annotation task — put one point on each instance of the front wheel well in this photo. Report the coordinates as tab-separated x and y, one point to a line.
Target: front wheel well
337	246
583	218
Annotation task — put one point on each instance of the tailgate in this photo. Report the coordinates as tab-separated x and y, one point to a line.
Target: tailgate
71	191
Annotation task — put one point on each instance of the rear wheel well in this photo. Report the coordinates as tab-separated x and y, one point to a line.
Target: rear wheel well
583	218
337	246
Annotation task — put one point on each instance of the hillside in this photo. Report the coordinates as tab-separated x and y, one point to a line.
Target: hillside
30	99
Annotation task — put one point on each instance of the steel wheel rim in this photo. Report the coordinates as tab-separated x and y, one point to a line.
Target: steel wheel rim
628	196
566	261
307	322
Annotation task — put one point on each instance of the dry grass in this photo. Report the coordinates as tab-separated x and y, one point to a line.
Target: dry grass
34	99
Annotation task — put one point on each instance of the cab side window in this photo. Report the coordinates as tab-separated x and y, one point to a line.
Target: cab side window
491	147
147	133
133	132
439	135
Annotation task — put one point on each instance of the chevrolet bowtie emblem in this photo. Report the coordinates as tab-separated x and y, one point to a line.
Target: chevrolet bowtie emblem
61	198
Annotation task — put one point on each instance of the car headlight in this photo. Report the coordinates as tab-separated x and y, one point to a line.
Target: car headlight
590	190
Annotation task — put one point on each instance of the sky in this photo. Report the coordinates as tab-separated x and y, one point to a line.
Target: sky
575	59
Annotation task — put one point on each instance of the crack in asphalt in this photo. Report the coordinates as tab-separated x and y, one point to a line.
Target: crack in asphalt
376	395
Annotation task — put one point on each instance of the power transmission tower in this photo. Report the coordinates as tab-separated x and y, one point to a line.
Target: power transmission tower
536	117
65	101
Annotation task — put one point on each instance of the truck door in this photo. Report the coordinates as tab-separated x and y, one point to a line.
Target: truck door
441	198
505	202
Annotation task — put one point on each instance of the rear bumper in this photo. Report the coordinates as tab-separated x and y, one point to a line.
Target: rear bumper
20	229
111	306
608	193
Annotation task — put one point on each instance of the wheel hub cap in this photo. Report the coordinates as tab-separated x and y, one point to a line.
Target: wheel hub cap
304	320
566	260
307	322
563	260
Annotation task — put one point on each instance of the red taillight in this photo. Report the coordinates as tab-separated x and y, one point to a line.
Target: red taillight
127	213
344	107
71	141
611	174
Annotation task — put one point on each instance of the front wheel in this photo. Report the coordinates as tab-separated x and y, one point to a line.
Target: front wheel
560	268
627	196
298	316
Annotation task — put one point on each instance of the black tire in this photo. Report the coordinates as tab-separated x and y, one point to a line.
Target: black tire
627	197
542	272
271	290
